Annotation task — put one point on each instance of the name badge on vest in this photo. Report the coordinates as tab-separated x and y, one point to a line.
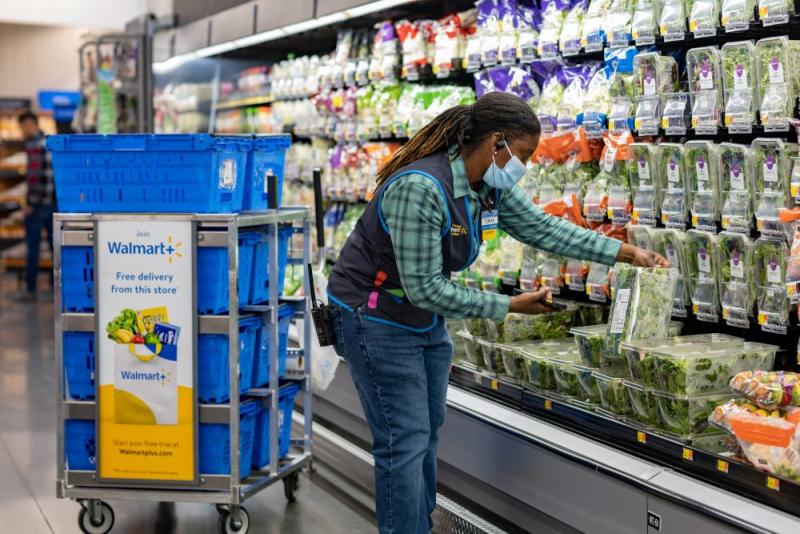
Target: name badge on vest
489	220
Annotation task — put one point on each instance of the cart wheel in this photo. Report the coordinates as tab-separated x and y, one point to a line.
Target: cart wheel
229	523
89	526
291	484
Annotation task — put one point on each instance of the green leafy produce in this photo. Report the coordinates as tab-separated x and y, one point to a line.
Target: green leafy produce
469	348
641	309
589	390
520	327
643	404
126	320
736	258
688	416
492	359
642	164
590	342
702	67
735	168
704	15
590	315
670	164
550	101
737	12
704	253
770	257
566	377
613	395
701	161
771	165
513	362
777	76
540	373
673	17
738	66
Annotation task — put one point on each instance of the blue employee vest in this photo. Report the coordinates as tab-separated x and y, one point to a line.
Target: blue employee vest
366	272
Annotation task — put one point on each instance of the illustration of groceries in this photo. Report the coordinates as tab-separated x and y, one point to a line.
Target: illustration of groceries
145	367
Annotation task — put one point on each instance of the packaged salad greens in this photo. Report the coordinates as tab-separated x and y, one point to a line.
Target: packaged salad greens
613	395
471	349
589	390
676	112
641	308
704	18
590	341
699	370
566	377
701	161
703	259
669	158
655	74
739	67
644	409
641	354
513	362
540	372
672	20
770	258
569	41
737	260
644	25
736	168
641	236
641	165
772	12
772	164
492	361
777	81
768	389
688	415
773	309
553	16
618	24
703	69
736	15
593	34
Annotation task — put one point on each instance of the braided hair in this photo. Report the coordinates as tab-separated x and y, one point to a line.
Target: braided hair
466	127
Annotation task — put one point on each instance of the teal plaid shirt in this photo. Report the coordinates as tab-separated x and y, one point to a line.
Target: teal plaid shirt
414	211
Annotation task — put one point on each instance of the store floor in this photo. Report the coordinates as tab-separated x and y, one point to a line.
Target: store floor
28	454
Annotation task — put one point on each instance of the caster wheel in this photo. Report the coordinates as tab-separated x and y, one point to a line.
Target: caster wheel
88	525
234	522
291	486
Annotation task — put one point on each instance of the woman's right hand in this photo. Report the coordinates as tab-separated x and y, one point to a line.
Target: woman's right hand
531	303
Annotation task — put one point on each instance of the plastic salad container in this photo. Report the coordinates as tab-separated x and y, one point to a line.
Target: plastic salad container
770	258
736	168
640	354
538	360
699	370
589	391
492	360
702	67
775	63
644	408
772	165
640	236
701	162
471	348
513	363
590	341
613	396
521	327
540	373
655	74
740	82
670	164
566	377
641	309
688	415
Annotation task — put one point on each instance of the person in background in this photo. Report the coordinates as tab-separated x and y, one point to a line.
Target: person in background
40	202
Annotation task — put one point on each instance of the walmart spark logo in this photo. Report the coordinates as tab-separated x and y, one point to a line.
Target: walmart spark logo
173	251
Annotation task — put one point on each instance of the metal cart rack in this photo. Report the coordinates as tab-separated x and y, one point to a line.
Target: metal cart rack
228	493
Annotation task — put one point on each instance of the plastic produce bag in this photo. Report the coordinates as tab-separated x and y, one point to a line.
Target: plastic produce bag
324	360
768	389
672	22
772	444
644	24
772	12
641	308
704	18
701	162
736	15
569	41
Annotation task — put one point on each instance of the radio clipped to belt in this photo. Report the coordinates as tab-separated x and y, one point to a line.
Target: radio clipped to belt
321	315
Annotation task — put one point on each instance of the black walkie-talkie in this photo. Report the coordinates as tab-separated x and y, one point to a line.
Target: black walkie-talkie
321	315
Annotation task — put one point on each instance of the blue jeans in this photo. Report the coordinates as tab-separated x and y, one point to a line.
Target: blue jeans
40	218
401	378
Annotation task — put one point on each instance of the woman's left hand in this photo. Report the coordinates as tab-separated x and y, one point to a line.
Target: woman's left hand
640	257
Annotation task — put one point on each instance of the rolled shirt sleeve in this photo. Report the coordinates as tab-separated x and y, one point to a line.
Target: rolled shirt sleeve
526	222
414	211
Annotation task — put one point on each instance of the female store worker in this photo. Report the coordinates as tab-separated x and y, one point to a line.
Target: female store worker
451	185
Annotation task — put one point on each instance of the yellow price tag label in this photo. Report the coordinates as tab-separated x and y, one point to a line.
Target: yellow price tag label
548	404
728	120
726	222
641	437
635	216
688	454
464	63
692	25
773	483
664	218
637	124
567	278
588	289
791	289
759	224
762	319
583	41
695	122
493	385
635	35
723	466
610	213
662	29
664	122
795	190
695	308
763	11
726	313
725	19
695	220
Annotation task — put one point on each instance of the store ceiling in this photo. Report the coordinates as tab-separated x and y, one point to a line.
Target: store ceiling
82	13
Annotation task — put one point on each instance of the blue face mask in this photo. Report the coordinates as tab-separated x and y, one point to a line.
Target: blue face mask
508	176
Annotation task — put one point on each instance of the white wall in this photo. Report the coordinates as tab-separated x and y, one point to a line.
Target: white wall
80	13
38	57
